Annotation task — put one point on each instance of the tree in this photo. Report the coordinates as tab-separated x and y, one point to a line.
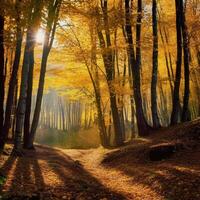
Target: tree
13	78
135	62
108	58
36	20
52	18
2	69
156	123
185	112
95	80
176	99
182	46
21	107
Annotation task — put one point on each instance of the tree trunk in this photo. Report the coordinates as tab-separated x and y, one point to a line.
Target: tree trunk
12	86
155	118
21	107
185	111
2	71
175	100
35	21
101	121
14	110
108	59
29	96
135	63
49	37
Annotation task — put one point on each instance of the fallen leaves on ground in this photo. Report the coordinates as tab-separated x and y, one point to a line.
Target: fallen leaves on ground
100	174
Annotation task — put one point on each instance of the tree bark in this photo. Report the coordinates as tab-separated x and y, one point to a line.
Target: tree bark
155	118
29	97
2	71
176	100
135	62
185	112
108	59
21	107
12	84
35	21
49	36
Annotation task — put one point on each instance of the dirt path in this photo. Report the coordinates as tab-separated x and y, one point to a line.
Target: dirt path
68	174
114	179
50	174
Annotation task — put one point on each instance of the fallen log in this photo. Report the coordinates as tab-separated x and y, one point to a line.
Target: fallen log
163	151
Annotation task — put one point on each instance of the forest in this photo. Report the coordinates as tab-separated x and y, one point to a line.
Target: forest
99	99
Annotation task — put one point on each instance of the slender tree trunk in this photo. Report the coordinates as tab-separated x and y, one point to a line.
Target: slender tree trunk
108	59
14	109
120	98
49	37
29	96
21	107
168	59
133	129
155	118
2	71
175	100
34	27
185	111
135	63
62	113
12	86
101	121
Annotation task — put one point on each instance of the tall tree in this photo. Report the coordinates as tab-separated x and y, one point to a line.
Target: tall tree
176	99
185	112
21	107
135	62
36	20
108	58
154	109
13	78
52	18
182	46
2	68
95	80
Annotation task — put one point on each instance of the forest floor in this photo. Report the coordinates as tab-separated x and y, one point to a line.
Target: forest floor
115	174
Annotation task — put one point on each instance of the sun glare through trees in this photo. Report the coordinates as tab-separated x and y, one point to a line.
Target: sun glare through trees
40	35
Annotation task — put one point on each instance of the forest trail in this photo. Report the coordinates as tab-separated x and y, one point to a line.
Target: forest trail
53	174
114	179
115	174
49	173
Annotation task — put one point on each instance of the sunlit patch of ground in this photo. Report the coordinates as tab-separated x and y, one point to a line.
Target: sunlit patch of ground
114	178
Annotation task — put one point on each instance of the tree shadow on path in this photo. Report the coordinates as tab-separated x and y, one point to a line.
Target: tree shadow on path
24	178
77	182
49	174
